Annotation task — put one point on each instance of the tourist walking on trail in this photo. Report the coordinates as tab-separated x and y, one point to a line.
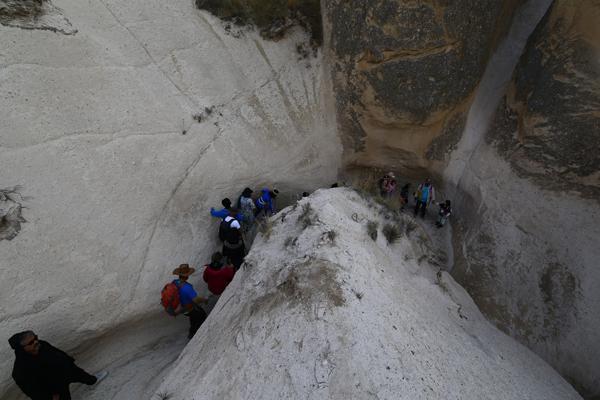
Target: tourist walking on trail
247	209
265	203
424	195
218	274
44	372
233	242
404	196
387	184
444	213
188	299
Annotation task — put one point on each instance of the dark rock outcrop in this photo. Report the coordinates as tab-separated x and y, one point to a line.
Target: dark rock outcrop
405	73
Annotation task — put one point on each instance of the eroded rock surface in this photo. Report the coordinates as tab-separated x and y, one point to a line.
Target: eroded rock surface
527	244
321	315
405	73
99	128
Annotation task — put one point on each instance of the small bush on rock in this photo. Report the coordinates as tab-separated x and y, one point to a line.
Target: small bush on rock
372	229
391	233
307	216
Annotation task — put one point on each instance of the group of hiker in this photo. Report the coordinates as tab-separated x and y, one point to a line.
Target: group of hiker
44	372
423	197
237	224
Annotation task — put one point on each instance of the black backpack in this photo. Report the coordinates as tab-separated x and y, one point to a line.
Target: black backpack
226	232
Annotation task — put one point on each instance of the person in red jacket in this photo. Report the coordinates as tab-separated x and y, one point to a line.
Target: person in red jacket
217	274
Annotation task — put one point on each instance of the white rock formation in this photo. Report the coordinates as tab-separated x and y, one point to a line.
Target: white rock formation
116	177
320	315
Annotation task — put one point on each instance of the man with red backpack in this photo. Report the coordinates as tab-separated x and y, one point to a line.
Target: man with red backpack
179	297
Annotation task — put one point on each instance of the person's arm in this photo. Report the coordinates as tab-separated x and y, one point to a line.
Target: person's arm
219	213
205	275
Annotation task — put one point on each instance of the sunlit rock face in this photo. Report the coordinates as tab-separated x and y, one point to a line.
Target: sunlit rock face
118	135
405	73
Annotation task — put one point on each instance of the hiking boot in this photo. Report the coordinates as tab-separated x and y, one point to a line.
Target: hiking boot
100	376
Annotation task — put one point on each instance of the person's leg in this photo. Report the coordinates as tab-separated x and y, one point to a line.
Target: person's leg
78	375
417	207
197	317
423	208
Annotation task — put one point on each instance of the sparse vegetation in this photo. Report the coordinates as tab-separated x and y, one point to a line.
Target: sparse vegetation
410	226
359	295
164	395
265	227
19	9
290	241
330	236
307	216
272	17
391	233
372	229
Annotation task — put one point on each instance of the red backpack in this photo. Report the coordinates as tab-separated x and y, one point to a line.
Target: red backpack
169	298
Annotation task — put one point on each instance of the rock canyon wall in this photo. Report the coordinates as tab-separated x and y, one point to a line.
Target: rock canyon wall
509	122
123	122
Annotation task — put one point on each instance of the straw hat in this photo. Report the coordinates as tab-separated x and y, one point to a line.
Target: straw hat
183	270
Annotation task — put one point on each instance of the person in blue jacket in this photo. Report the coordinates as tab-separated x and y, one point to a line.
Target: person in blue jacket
224	212
265	203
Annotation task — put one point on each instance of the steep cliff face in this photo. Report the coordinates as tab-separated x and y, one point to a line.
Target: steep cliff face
118	135
511	127
528	249
322	311
405	73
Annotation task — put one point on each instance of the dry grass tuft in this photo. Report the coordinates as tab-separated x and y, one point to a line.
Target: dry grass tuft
391	232
307	216
372	229
265	227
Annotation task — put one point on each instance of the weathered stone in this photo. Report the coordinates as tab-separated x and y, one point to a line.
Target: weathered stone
554	104
407	69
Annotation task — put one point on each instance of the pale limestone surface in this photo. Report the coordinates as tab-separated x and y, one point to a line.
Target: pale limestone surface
352	318
114	194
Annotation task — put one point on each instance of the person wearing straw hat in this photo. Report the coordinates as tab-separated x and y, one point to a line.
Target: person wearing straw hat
189	299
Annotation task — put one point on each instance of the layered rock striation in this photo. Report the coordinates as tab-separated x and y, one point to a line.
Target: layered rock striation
405	74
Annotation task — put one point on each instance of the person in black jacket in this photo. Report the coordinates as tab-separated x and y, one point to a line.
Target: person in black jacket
44	372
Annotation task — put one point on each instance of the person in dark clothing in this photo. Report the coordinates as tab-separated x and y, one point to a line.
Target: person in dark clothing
44	372
424	195
189	299
444	213
404	195
217	274
233	242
